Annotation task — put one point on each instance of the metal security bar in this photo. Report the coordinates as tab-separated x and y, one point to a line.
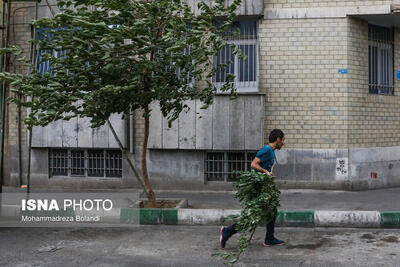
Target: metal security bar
95	163
44	66
245	71
220	166
87	163
58	162
113	163
77	162
380	60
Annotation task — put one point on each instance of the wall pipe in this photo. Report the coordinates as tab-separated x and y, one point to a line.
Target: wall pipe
2	99
34	59
4	61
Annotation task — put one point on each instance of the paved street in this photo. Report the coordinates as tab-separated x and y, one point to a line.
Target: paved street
193	246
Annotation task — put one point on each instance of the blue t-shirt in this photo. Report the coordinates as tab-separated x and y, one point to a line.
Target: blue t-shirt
267	156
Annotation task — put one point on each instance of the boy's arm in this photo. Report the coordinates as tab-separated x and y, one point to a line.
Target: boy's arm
255	164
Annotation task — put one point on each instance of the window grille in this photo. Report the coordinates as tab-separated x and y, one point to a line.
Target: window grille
113	163
90	163
58	162
245	71
95	163
182	73
380	60
44	66
220	166
77	162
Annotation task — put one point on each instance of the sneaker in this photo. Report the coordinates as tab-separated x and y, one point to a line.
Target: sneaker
224	237
274	242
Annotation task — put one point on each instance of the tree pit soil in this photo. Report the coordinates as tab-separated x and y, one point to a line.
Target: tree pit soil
160	204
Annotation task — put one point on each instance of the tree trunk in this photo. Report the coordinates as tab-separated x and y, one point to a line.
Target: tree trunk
125	153
145	175
28	177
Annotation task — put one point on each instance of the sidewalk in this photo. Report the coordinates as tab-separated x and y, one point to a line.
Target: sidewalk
382	199
304	208
293	199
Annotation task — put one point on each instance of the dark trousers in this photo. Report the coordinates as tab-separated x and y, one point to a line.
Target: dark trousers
269	235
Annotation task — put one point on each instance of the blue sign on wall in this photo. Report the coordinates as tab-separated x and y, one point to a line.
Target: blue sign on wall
398	75
343	71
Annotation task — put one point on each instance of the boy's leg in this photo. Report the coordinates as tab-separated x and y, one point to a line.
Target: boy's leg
270	239
226	233
269	236
231	229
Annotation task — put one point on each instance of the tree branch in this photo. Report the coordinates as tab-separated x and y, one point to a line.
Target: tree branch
51	9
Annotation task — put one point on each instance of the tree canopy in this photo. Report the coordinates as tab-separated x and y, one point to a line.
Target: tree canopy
117	56
100	57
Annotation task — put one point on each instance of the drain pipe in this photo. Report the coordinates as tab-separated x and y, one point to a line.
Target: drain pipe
19	143
2	99
34	60
4	62
19	112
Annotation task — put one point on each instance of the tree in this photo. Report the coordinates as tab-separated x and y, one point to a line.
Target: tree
118	56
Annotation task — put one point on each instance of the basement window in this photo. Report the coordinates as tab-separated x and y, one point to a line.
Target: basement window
220	166
85	163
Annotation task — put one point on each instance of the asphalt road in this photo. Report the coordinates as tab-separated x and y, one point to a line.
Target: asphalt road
193	246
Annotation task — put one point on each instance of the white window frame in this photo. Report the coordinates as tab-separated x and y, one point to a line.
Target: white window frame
246	86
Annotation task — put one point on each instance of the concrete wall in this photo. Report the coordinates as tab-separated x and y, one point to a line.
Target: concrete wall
367	168
226	124
77	133
40	176
323	3
365	162
310	167
246	8
168	169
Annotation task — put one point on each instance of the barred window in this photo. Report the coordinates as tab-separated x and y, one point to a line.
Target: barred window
58	162
245	71
85	163
44	66
96	163
220	166
380	60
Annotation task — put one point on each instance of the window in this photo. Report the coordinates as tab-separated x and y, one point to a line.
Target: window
81	162
185	75
380	60
44	66
59	162
219	166
245	71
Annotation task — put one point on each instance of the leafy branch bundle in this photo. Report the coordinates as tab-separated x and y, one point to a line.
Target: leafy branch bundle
259	200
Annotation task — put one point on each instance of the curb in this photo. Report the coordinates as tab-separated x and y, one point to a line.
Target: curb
294	218
297	218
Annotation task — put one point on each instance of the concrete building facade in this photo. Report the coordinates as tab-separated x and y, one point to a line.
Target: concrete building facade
325	72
